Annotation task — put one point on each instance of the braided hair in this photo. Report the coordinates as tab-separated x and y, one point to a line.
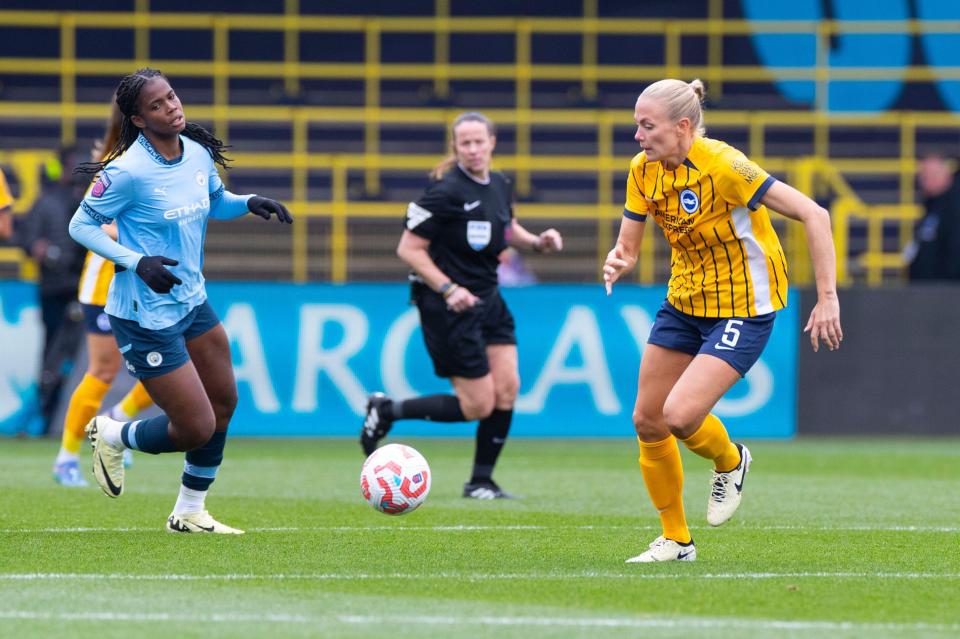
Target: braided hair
127	98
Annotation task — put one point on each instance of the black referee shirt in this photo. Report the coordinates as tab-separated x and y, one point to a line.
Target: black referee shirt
466	223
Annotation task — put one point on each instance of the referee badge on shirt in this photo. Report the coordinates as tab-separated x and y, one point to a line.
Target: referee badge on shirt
689	201
478	233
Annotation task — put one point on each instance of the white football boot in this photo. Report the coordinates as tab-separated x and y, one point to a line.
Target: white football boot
107	459
726	489
199	522
663	549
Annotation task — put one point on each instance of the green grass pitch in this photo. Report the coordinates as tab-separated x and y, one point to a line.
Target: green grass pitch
835	538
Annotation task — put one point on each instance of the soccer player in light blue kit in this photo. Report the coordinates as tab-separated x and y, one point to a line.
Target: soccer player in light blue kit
160	184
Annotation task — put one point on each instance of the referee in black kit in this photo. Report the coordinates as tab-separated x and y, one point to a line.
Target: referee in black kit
454	234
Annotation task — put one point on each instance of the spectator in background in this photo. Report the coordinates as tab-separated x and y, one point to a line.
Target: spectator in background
45	238
513	269
934	253
6	203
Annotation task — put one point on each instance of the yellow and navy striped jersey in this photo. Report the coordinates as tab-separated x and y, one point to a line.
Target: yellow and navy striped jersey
95	280
5	198
727	260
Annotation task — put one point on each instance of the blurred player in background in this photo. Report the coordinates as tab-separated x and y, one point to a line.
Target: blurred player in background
729	278
6	204
160	183
103	358
452	239
42	234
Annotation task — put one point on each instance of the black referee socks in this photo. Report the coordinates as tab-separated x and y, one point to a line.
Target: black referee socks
434	408
491	435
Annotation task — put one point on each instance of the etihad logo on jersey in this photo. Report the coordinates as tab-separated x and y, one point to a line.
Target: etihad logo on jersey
187	210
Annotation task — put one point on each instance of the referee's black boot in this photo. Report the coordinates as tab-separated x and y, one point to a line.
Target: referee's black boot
376	425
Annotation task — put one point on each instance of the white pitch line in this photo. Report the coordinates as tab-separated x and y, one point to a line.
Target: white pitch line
481	528
435	620
466	576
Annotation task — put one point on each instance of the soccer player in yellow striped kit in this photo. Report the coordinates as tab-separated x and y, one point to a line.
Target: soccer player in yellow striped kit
728	280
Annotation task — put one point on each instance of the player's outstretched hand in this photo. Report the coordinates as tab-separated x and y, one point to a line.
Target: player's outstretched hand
617	264
151	270
824	323
265	207
549	241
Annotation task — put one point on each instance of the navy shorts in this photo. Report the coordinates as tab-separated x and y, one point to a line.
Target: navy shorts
738	341
95	320
457	342
151	353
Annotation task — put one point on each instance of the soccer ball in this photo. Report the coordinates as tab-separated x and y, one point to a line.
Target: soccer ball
395	479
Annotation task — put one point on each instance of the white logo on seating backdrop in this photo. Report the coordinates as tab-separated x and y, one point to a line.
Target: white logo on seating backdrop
20	346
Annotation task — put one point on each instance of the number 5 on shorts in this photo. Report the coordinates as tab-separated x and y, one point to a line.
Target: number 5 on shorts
731	334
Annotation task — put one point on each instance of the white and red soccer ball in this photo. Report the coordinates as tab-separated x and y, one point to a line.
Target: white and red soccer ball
395	479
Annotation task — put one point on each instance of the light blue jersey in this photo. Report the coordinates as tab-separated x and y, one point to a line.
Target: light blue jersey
161	208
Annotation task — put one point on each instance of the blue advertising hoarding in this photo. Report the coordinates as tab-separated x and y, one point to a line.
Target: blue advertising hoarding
307	356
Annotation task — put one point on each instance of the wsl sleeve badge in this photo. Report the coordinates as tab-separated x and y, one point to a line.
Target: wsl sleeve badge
101	185
395	479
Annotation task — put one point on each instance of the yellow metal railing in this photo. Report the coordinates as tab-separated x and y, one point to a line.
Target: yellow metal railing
810	175
220	69
758	125
821	175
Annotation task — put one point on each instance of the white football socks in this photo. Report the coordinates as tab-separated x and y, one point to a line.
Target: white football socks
189	501
64	456
110	432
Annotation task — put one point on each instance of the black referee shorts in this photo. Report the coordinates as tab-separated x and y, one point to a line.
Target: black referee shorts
457	342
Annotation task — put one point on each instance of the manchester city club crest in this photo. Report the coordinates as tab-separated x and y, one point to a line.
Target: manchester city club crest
478	234
689	201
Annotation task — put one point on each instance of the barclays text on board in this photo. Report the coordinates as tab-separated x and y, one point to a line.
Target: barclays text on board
307	356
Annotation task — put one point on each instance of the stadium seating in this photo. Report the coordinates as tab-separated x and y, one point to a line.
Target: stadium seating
342	116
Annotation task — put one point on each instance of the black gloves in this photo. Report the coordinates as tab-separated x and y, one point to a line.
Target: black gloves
150	269
265	207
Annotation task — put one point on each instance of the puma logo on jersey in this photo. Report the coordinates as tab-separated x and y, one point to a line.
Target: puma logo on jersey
469	206
160	190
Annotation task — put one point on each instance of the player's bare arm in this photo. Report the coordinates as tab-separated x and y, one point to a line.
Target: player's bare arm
824	322
549	241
